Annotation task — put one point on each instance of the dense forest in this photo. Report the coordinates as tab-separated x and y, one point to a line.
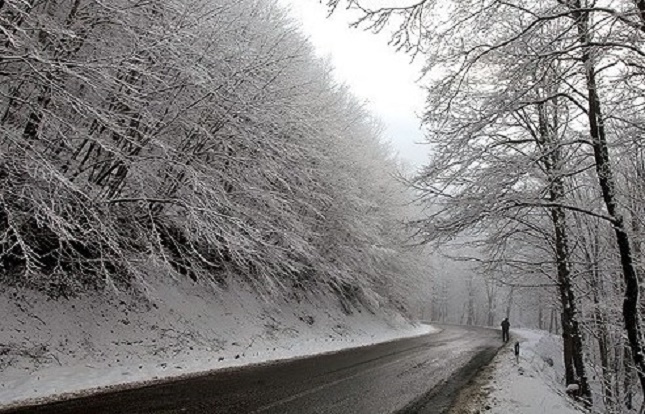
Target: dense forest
537	176
202	135
206	137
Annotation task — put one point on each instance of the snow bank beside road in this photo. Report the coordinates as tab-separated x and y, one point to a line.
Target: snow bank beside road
534	384
68	346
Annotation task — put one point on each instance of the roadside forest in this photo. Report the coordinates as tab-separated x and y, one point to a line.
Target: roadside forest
535	119
203	136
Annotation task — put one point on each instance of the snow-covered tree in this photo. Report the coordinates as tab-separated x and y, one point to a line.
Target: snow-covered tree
203	135
524	100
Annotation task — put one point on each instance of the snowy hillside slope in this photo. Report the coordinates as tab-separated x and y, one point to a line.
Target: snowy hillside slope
53	347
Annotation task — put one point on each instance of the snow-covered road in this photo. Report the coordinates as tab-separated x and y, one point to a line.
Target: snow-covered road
399	376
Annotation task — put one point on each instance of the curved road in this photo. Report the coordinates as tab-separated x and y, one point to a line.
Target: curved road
418	375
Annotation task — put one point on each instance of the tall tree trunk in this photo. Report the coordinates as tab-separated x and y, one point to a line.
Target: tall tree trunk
571	335
490	321
608	186
602	335
471	302
509	303
628	394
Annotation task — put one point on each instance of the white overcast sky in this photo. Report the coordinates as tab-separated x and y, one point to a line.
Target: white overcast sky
376	73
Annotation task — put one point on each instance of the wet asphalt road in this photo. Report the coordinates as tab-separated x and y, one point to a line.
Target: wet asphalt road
418	375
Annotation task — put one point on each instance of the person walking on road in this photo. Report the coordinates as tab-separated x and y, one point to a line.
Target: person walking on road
505	327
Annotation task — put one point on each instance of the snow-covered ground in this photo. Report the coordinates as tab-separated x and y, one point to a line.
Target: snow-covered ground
531	384
53	348
70	346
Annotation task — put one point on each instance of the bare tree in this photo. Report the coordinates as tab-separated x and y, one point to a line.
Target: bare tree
488	66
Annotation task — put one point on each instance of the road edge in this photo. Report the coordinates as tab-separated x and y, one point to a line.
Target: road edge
90	392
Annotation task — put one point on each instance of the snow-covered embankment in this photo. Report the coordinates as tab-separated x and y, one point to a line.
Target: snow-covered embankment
529	384
69	346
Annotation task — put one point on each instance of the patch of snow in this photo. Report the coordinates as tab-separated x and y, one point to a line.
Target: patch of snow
532	383
51	348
